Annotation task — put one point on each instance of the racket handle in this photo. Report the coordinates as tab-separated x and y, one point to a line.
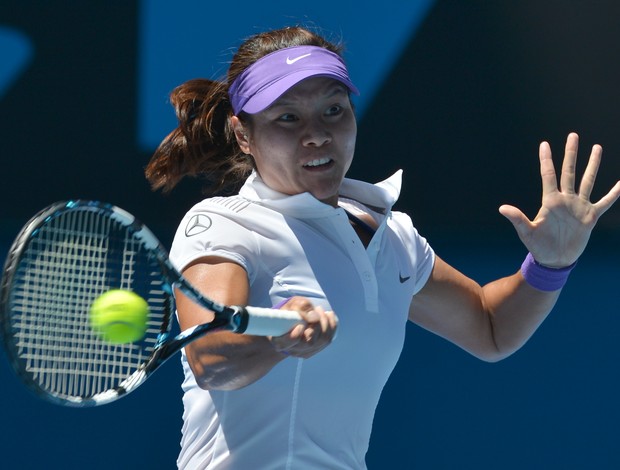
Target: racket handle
270	321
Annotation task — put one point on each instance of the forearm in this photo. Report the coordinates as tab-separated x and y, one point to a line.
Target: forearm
223	360
515	311
490	322
229	361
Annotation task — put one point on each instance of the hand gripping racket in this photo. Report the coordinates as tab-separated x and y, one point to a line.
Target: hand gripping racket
62	260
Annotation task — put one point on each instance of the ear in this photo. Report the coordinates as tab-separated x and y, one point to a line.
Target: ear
241	134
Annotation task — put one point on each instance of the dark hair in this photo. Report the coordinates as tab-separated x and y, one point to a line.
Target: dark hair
203	144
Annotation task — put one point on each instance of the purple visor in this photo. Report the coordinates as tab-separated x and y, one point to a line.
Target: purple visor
271	76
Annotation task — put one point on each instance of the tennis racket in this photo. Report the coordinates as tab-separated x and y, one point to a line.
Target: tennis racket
62	260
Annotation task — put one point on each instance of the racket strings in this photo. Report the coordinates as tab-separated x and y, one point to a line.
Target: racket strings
70	261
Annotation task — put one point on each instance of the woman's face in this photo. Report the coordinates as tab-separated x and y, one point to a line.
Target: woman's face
304	142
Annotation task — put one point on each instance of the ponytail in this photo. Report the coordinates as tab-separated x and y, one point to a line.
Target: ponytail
203	144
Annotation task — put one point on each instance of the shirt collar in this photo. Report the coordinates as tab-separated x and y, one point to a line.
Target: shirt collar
379	197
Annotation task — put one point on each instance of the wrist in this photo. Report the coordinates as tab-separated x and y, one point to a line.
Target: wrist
280	349
543	277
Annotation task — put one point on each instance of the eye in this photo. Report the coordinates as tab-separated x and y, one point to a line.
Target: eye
334	110
288	117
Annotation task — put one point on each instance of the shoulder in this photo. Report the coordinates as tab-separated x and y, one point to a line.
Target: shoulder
219	204
417	250
219	226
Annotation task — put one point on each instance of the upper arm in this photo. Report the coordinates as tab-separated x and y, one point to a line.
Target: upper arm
219	279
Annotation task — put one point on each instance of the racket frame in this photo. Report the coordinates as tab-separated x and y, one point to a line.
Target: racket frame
231	318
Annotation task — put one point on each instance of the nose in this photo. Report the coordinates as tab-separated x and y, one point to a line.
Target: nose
316	135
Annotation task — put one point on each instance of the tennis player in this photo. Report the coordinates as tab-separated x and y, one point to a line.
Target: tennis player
279	132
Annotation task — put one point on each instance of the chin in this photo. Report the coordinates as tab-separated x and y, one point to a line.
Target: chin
330	198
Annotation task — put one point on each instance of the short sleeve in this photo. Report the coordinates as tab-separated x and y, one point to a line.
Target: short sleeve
211	231
419	254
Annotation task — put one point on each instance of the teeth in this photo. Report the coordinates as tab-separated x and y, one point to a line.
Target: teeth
318	161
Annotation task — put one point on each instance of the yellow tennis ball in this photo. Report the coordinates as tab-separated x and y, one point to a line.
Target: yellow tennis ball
119	316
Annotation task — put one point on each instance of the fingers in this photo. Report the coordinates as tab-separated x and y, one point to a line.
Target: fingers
567	178
589	176
608	200
318	323
310	337
569	168
547	170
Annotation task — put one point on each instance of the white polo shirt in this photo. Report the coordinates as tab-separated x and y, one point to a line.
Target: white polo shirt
315	413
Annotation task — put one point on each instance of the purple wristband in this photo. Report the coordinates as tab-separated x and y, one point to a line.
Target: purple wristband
281	303
542	277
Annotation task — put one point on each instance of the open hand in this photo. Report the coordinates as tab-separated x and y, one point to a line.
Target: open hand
560	231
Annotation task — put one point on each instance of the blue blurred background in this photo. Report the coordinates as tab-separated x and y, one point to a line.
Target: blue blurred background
458	94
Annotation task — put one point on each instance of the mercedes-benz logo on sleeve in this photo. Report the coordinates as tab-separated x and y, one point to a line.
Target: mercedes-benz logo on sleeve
197	224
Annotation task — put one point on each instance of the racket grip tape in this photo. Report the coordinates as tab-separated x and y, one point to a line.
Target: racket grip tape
270	321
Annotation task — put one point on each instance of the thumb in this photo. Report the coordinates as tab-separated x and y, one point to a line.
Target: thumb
517	218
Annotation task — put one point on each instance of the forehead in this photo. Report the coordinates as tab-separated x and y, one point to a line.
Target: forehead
312	88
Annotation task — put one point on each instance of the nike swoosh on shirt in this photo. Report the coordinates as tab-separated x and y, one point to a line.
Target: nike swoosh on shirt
403	279
292	61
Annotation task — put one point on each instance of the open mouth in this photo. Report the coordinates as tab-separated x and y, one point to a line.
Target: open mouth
318	162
